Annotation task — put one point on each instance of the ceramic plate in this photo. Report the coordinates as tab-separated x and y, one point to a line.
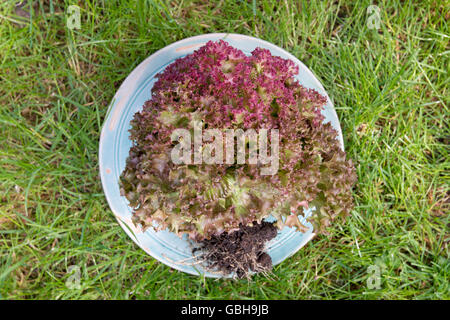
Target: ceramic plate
115	144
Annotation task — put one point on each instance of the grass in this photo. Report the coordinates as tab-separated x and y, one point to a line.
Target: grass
390	89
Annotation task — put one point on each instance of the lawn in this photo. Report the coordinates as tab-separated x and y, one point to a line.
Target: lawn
390	88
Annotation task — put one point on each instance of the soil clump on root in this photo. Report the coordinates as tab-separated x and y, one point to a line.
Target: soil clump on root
240	252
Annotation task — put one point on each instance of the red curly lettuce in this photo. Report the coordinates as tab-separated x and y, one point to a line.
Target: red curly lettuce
226	89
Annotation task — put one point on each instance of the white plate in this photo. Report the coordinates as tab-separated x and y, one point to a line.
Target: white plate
115	144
